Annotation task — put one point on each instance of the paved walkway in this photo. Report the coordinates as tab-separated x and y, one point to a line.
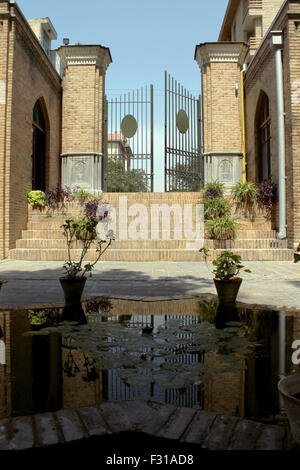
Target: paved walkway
270	283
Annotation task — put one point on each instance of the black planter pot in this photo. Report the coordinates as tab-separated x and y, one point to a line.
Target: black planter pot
74	312
228	289
73	288
226	313
2	282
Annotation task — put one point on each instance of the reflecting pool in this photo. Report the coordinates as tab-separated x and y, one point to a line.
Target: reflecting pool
185	352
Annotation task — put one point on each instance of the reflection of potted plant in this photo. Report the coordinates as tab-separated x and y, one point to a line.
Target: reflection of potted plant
37	319
89	232
2	282
227	267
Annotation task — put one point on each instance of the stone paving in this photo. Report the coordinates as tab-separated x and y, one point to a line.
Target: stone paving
269	283
205	429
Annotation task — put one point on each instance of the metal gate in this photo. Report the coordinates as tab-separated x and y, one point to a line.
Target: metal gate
128	162
183	161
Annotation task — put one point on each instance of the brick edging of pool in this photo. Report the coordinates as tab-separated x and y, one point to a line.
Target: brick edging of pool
190	426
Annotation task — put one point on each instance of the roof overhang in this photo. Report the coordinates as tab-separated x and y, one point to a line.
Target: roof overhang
225	33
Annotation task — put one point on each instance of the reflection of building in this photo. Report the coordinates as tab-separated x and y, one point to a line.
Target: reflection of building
46	373
223	392
118	148
77	389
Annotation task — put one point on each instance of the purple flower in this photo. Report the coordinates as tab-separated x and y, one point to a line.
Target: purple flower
91	208
266	194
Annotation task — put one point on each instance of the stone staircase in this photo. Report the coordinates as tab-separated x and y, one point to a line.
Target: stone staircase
43	239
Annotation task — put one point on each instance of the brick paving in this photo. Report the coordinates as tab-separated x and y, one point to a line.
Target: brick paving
270	283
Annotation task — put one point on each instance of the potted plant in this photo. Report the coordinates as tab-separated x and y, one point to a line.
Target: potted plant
245	197
222	228
36	199
89	232
227	267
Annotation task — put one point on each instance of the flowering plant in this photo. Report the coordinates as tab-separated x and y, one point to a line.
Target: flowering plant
88	231
57	194
266	195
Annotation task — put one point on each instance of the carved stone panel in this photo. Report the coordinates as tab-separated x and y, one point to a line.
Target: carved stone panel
83	171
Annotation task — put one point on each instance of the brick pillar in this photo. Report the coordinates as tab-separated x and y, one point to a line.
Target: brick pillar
83	115
220	65
6	61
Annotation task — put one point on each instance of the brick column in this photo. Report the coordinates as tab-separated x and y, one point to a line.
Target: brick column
83	114
6	64
220	64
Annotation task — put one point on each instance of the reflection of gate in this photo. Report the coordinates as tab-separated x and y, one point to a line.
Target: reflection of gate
183	161
128	163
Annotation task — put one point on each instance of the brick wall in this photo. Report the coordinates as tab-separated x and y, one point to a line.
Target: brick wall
269	11
261	77
6	57
29	76
221	107
82	109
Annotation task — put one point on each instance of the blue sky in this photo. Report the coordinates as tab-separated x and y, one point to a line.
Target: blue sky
145	38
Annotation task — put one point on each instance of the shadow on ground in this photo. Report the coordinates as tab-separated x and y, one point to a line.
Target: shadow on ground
40	286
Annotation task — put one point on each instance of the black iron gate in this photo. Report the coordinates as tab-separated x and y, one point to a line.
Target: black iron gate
183	161
128	162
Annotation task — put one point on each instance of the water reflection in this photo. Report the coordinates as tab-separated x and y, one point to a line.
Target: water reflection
48	372
74	312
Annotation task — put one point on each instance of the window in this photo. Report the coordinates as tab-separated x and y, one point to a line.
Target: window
263	138
38	147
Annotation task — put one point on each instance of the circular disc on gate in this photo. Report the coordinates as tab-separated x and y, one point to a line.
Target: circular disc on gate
129	126
182	121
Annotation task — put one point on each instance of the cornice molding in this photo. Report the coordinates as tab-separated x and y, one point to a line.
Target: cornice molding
85	55
221	52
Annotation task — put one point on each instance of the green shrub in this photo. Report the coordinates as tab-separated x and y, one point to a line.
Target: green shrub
36	198
84	228
223	228
213	189
37	317
82	194
215	207
228	265
245	194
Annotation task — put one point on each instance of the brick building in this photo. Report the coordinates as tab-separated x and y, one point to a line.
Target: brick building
51	115
250	88
52	109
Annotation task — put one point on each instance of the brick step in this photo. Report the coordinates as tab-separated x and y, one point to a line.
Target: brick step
246	243
257	225
57	233
243	231
148	255
60	243
117	244
242	234
57	226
